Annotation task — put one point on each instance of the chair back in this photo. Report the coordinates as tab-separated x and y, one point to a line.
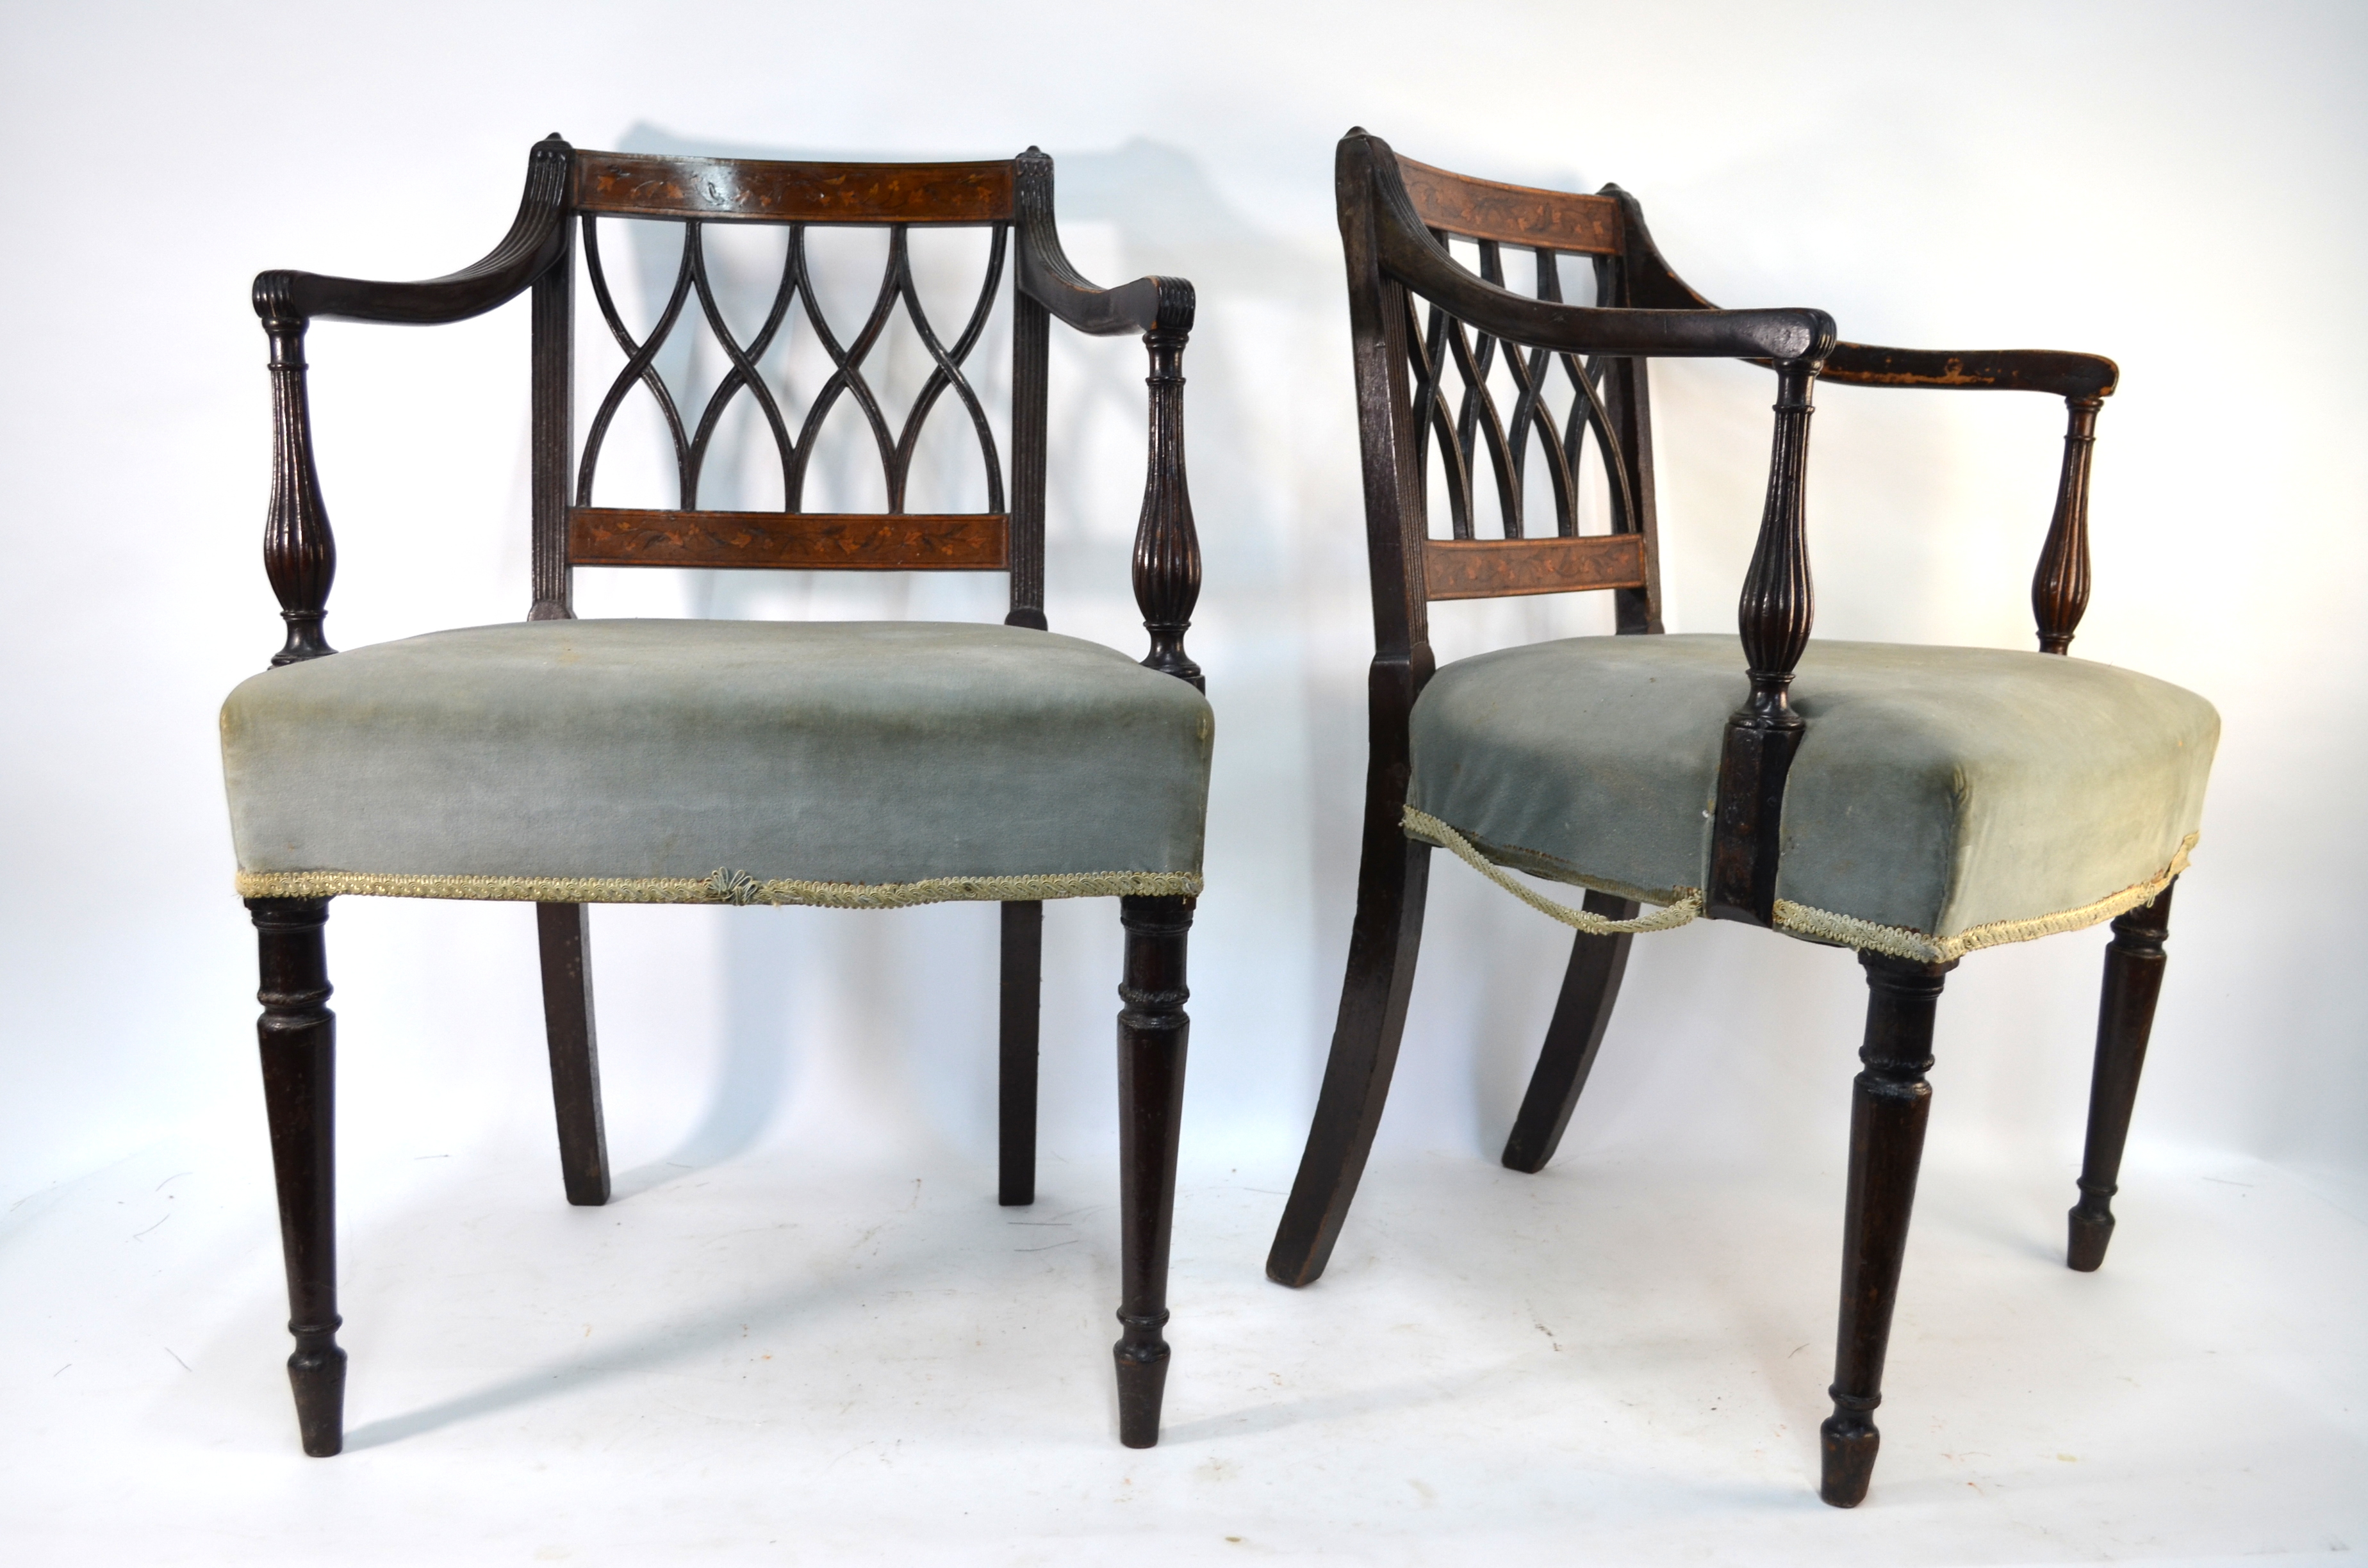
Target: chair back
696	193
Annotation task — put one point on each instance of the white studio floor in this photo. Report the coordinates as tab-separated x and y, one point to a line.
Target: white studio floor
766	1362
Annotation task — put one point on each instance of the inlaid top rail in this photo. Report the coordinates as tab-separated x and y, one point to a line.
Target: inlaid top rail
749	190
1513	214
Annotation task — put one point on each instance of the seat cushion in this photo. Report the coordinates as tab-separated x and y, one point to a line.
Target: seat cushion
1959	796
845	762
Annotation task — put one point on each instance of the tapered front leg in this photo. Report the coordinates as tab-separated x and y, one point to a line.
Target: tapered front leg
297	1036
1590	986
575	1051
1889	1103
1152	1029
1023	969
2134	966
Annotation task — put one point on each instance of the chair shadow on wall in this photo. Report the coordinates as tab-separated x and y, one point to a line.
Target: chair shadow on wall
1170	217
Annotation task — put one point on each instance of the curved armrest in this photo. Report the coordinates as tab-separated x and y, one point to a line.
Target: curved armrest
1695	329
2008	369
537	237
1147	304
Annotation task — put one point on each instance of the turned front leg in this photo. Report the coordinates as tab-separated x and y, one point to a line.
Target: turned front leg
2134	966
1889	1103
1152	1029
297	1036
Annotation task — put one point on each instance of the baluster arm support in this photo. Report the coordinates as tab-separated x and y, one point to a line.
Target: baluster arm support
1167	546
299	551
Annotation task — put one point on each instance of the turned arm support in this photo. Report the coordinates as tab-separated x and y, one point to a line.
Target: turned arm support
300	553
1167	546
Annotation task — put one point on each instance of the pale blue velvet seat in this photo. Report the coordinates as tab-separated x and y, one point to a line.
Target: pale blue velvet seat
1943	799
618	761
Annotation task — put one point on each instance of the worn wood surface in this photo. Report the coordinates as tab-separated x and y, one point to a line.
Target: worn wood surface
1488	569
1490	210
753	190
876	541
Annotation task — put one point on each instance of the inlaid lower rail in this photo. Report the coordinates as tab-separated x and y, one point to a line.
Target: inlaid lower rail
1491	568
878	541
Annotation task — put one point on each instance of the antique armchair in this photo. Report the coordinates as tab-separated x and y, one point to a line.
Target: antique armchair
851	765
1913	804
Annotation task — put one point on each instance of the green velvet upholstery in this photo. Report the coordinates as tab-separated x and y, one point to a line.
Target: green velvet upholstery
1937	789
859	752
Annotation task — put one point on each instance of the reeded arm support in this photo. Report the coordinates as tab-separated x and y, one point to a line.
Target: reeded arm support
1166	548
300	552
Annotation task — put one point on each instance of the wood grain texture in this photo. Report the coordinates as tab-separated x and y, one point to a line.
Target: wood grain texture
1488	210
1489	568
874	541
749	190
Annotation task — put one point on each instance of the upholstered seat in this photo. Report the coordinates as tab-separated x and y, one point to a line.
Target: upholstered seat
630	760
1966	796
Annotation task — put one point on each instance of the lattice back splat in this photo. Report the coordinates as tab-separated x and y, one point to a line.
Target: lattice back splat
569	192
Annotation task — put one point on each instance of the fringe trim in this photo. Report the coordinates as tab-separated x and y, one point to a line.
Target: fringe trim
1815	925
1898	942
1431	830
721	886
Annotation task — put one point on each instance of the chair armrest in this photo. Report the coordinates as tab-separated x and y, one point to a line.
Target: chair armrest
2007	369
1045	276
537	237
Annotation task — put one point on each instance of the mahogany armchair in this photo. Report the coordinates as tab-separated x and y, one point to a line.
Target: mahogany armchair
1914	803
851	765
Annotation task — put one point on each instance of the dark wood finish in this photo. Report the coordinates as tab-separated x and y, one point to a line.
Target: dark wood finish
1152	1034
1016	1033
564	931
1890	1102
1422	392
2003	370
566	197
551	427
2059	589
750	191
298	1037
1488	568
873	541
2134	966
1488	210
1590	986
1763	736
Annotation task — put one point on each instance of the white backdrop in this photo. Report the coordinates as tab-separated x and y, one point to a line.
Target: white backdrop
2178	188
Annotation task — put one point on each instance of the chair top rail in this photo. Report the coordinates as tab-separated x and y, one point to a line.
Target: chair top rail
749	190
1514	214
1410	252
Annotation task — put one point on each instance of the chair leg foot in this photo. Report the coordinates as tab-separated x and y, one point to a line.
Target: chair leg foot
1590	986
1849	1443
1153	1032
2134	967
1142	1382
318	1374
1023	968
297	1037
563	930
1382	946
1890	1102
